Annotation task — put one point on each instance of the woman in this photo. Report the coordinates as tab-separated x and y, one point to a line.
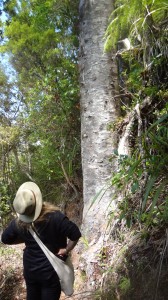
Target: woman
53	228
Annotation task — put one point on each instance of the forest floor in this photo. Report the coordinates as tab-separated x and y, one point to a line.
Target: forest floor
12	284
143	270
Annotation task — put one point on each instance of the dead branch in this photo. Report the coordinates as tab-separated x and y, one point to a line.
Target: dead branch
68	181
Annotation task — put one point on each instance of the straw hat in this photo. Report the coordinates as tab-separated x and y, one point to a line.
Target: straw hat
28	202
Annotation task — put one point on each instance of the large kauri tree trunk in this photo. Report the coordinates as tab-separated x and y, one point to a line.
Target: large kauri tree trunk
98	82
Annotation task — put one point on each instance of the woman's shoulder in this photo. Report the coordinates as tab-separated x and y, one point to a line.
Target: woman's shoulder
56	214
56	217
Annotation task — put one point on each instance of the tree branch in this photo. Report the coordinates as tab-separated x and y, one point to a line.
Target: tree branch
68	181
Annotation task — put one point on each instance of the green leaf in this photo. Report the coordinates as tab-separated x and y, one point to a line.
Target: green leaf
164	117
99	195
157	194
149	186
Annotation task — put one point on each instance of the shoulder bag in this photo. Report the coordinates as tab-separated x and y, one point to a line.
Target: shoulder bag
64	269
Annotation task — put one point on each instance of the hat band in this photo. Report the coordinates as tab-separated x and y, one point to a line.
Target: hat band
30	209
34	206
34	197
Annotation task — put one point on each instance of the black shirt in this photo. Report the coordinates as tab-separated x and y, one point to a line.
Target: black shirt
53	232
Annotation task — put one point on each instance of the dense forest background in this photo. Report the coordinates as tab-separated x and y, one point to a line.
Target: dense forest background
43	122
40	116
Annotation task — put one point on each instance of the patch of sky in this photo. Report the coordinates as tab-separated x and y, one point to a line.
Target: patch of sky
3	16
10	103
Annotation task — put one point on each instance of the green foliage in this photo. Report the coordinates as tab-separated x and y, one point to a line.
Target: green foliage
5	206
124	285
7	251
145	199
85	242
41	41
138	29
134	19
142	63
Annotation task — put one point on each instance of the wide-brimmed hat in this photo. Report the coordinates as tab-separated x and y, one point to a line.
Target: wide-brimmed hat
28	202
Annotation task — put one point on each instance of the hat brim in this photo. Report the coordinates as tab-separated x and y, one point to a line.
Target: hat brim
39	202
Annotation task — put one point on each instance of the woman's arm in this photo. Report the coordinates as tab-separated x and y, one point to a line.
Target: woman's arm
69	247
10	235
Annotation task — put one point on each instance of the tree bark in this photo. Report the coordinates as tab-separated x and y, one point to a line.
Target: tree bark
98	86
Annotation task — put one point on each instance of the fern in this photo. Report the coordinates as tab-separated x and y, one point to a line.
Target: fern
133	18
143	74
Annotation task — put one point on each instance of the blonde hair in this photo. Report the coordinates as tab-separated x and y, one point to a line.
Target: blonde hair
46	208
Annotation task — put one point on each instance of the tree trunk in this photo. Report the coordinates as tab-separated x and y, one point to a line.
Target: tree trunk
98	80
99	109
